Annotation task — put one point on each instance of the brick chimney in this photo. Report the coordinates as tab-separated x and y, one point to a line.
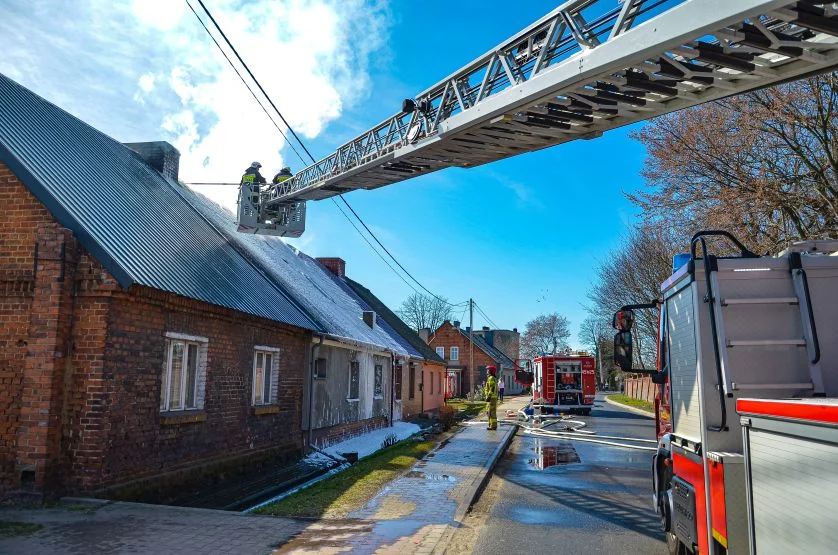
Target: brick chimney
425	334
335	265
160	155
456	323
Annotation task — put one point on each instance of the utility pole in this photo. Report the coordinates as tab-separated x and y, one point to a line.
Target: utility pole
471	374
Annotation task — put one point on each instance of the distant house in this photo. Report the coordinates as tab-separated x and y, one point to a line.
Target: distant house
419	378
451	342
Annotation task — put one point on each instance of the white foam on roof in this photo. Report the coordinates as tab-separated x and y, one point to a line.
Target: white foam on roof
305	279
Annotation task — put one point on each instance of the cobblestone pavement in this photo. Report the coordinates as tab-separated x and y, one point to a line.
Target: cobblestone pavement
414	512
138	528
411	515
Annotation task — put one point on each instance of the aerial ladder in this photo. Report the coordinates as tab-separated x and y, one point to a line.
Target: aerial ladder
586	67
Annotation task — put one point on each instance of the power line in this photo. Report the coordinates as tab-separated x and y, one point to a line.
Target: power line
267	97
480	310
302	145
241	77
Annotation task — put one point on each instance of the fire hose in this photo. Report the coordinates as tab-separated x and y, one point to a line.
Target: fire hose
573	432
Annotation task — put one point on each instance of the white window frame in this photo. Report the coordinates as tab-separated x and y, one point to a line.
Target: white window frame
454	350
274	353
441	352
201	344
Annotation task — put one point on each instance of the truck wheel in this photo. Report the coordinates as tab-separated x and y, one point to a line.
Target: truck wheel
586	412
674	545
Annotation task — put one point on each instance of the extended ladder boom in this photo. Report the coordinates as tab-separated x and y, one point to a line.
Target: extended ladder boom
586	67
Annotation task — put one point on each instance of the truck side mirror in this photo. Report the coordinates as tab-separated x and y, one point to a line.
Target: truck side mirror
623	350
623	320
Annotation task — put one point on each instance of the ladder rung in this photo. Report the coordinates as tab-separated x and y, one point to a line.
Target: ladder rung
799	385
765	342
765	300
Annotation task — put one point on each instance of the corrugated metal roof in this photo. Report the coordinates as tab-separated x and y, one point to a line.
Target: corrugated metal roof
380	320
399	327
131	218
335	307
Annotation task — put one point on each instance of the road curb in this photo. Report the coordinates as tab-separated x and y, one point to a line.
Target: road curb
630	409
476	488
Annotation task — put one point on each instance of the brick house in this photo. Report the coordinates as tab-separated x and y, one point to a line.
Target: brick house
137	343
419	377
507	342
451	342
144	342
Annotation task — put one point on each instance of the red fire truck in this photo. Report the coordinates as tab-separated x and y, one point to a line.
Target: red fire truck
747	406
564	383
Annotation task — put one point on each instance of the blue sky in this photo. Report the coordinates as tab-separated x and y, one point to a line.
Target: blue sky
521	236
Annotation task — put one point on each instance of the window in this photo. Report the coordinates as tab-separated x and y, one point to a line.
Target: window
455	353
441	352
411	382
397	382
321	366
265	375
184	374
379	380
354	379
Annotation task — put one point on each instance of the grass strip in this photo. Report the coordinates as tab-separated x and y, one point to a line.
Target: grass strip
351	489
14	528
471	408
632	402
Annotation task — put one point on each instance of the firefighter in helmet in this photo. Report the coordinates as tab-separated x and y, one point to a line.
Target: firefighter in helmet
251	181
284	174
490	392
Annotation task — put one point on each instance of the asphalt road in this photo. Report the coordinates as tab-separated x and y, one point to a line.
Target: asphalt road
556	496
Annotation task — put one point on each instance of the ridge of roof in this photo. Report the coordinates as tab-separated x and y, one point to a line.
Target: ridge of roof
493	352
129	216
395	322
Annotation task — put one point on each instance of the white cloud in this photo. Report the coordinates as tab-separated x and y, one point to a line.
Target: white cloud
312	56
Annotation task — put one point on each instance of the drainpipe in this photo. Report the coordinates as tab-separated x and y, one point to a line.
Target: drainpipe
392	384
312	362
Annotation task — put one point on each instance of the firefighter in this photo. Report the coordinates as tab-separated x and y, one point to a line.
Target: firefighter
284	173
490	391
252	179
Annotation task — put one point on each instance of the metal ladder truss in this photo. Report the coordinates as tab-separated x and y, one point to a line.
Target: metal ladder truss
586	67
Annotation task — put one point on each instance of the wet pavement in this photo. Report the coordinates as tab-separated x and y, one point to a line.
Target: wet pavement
414	512
562	496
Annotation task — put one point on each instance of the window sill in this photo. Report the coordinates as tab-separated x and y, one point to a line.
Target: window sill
172	418
264	409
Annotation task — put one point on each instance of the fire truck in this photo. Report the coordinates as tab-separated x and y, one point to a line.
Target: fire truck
747	402
564	383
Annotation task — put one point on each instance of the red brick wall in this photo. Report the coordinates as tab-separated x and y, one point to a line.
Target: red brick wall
81	362
447	336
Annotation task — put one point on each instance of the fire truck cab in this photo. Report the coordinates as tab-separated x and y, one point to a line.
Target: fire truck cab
736	332
564	383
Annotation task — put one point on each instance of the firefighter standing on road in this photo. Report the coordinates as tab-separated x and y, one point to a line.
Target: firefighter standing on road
490	391
251	181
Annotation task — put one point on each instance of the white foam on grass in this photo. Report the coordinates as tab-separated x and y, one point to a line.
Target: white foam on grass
370	442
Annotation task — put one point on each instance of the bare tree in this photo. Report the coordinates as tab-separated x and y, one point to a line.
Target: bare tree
597	334
423	311
762	165
633	274
547	333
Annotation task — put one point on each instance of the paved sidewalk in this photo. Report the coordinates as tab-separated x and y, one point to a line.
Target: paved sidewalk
139	528
417	512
